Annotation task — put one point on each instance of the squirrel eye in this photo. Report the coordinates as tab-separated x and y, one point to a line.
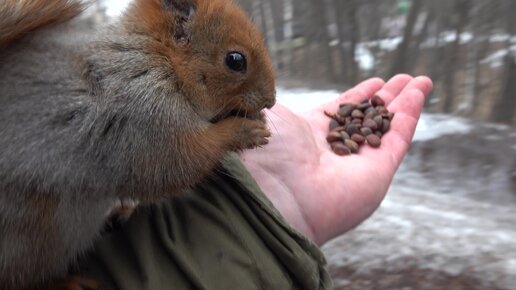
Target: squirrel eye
236	61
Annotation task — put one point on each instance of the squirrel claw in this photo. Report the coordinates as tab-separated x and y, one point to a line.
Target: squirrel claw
254	134
75	283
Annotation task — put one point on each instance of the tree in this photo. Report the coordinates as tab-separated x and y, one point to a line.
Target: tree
504	108
288	33
453	58
319	36
402	54
348	33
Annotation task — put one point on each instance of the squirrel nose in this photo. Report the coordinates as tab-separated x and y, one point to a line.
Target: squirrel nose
271	101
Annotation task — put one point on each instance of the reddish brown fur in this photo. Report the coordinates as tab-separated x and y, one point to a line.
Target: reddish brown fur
199	78
216	27
19	17
211	35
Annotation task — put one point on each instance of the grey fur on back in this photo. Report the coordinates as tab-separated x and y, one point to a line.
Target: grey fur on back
43	169
81	125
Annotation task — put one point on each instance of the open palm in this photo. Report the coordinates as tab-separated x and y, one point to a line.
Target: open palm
319	193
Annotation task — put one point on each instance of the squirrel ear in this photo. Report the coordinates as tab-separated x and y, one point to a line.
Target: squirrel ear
182	8
183	11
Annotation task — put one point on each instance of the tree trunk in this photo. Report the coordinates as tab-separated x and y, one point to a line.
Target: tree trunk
321	38
354	38
345	17
480	45
288	31
453	58
269	31
504	108
402	53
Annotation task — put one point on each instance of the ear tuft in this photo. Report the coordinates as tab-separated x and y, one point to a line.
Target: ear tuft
182	8
183	11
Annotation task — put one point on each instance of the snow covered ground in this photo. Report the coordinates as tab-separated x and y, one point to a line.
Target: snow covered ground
416	228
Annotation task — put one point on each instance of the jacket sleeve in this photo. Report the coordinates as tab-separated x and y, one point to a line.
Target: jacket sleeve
222	235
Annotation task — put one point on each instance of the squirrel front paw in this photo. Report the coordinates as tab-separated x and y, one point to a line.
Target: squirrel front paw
242	133
252	134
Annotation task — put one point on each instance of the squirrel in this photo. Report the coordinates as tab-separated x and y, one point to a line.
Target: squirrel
139	110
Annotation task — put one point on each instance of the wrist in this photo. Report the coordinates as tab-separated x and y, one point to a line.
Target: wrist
281	196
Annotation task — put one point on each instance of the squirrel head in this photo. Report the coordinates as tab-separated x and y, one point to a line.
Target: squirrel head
215	52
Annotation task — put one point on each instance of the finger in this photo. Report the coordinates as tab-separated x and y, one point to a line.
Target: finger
360	92
408	107
394	87
422	83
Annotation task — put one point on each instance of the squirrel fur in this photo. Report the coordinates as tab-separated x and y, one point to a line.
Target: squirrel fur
139	110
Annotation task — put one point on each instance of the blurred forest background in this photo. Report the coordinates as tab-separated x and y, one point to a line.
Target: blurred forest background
468	47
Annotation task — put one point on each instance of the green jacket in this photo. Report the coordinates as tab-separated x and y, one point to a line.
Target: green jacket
222	235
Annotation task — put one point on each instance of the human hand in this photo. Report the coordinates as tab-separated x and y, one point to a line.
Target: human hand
321	194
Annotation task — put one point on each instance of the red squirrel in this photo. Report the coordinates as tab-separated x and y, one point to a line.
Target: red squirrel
139	110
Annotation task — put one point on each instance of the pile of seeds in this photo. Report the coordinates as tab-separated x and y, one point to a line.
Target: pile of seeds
357	124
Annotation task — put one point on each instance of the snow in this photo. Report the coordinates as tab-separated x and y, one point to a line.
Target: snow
444	233
388	44
364	58
450	36
496	58
502	38
391	43
432	126
299	100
